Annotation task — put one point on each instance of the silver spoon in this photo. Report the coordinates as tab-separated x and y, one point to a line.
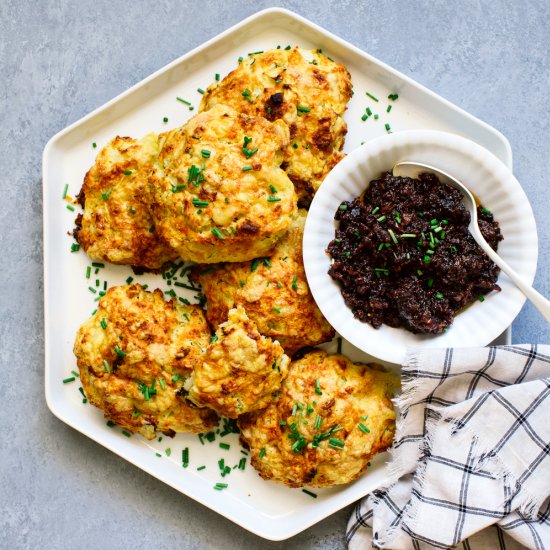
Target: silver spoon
414	169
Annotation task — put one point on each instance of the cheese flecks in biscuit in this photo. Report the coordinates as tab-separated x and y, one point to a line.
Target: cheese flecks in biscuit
331	417
217	191
135	354
306	90
273	291
239	371
116	225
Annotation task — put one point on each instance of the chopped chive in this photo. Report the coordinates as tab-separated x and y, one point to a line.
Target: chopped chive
225	446
70	207
200	90
220	486
158	455
99	265
388	127
162	383
453	249
388	109
165	119
183	101
262	453
481	298
205	153
295	282
127	172
129	280
318	422
368	111
168	451
70	379
119	352
343	207
200	204
427	259
217	77
375	210
363	428
94	144
408	236
276	309
381	219
75	247
372	97
92	289
364	117
217	232
106	366
312	495
336	443
110	423
376	117
75	373
392	235
126	433
242	463
267	263
185	457
246	168
65	189
318	387
430	283
201	468
303	109
271	198
438	296
393	97
254	264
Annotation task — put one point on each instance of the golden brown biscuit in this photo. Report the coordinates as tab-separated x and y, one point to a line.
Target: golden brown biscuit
273	291
305	89
218	193
117	225
134	355
239	371
331	418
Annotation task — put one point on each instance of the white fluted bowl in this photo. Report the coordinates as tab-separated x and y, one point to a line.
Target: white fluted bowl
486	176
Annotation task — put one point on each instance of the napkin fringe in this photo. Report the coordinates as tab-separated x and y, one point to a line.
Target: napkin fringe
487	458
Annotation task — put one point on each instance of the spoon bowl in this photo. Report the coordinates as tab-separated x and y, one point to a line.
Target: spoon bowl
413	169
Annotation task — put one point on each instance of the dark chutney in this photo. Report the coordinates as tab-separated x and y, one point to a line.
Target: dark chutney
403	255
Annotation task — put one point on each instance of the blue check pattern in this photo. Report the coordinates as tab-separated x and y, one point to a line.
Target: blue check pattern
470	464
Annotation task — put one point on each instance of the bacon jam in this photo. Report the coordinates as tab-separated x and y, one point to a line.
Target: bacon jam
403	255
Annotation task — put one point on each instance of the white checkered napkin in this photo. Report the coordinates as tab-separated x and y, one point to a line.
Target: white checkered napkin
471	451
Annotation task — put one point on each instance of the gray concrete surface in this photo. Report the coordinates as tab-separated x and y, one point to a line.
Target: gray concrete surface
59	60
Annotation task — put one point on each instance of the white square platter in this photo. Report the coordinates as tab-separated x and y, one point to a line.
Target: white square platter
267	509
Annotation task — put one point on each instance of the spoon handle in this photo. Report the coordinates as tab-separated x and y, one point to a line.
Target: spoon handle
538	300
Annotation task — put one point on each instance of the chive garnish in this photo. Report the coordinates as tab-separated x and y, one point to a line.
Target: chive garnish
271	198
303	109
183	101
205	153
381	219
65	189
392	235
225	446
438	296
106	366
217	232
94	144
127	172
375	210
217	77
70	379
481	298
408	236
119	352
126	433
220	486
276	309
70	207
201	468
363	428
246	168
368	111
198	203
200	90
254	264
312	495
388	127
372	97
364	117
165	119
318	387
393	97
295	282
388	109
262	453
